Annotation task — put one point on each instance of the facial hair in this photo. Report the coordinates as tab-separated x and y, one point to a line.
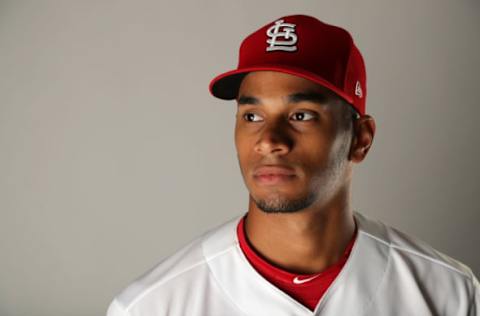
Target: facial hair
279	204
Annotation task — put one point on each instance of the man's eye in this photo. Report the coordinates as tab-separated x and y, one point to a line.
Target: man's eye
301	116
249	117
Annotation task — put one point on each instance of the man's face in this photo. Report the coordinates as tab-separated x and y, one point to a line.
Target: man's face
290	121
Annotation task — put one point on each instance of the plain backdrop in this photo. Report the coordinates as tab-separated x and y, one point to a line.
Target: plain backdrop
113	154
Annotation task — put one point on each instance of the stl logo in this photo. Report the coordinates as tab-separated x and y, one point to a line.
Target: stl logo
284	31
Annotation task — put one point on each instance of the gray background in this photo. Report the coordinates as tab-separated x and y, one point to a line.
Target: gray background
113	153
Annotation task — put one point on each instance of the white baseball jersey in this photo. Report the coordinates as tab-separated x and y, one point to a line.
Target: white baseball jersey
387	273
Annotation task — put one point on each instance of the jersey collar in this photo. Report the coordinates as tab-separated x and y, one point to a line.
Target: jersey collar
354	287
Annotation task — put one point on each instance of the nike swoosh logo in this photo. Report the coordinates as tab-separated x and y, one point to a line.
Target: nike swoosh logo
297	280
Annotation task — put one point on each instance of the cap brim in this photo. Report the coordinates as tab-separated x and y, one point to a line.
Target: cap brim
225	86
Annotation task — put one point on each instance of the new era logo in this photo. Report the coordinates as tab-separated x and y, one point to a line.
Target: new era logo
358	90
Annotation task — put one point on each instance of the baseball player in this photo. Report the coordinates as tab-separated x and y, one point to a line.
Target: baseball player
300	249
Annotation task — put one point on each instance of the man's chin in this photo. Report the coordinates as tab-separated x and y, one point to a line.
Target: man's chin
282	205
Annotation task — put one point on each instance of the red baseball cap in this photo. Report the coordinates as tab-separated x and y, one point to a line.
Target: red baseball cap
304	46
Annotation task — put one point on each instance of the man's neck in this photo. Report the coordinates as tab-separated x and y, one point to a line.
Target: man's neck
304	242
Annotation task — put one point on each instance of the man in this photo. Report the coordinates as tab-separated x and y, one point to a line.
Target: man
300	89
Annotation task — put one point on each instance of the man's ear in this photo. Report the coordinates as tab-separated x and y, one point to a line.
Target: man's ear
364	131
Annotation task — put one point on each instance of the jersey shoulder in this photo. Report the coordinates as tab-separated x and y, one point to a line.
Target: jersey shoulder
184	262
412	247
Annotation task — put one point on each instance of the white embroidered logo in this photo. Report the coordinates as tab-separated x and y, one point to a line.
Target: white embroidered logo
297	280
285	31
358	90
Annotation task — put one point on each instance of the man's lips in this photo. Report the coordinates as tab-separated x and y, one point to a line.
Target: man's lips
274	174
273	170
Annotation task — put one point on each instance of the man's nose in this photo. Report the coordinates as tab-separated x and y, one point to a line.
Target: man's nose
274	138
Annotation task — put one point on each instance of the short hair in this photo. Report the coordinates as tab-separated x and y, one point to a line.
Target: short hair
346	115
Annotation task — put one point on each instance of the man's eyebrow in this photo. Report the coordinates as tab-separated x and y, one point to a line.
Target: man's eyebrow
246	99
315	97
